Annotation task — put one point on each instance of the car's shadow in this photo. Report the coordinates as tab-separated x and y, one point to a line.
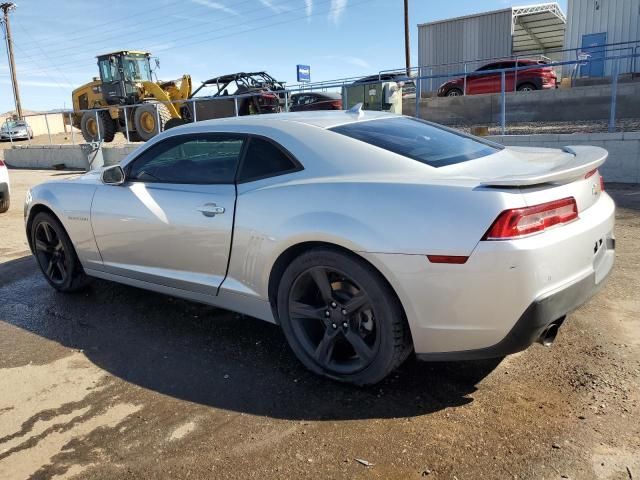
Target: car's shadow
213	357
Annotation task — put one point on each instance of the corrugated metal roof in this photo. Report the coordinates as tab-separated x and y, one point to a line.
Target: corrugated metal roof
537	27
463	17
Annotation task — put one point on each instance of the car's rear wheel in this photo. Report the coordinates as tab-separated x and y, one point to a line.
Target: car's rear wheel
5	203
55	254
526	87
341	318
454	92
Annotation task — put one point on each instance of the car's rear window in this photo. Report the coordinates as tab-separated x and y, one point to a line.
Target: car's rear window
423	141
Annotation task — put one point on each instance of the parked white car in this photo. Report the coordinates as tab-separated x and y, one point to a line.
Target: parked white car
16	130
364	235
5	188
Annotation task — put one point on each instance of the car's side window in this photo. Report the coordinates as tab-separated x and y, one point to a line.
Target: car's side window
263	159
196	159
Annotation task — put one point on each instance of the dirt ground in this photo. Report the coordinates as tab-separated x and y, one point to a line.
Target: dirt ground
116	382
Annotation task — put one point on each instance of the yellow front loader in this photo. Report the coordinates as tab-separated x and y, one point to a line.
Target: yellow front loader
125	81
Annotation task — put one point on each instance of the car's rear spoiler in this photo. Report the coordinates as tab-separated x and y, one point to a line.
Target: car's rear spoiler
583	159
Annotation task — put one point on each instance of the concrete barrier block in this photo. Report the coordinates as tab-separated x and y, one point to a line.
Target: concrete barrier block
572	137
605	136
631	136
517	138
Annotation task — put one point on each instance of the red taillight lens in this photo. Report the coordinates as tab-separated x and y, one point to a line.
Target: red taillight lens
337	105
1	163
601	183
519	222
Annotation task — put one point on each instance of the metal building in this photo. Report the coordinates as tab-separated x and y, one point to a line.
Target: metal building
594	23
451	45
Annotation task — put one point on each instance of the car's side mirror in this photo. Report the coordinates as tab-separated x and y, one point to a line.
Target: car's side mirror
113	175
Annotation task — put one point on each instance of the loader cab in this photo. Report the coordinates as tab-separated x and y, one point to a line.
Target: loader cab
120	72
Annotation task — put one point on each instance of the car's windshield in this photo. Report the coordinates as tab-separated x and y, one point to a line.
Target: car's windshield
423	141
13	124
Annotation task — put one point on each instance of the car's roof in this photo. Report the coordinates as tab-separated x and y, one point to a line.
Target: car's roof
319	118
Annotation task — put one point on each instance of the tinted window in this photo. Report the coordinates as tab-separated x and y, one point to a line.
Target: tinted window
422	141
491	66
189	159
264	159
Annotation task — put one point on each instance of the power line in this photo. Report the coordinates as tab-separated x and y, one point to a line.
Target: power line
152	25
207	38
53	64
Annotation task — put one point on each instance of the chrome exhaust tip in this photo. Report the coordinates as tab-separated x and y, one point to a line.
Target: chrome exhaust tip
548	335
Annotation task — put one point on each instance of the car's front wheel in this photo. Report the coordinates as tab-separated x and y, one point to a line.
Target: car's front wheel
341	318
55	254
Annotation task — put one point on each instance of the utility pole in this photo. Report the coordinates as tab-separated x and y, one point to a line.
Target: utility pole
6	8
406	37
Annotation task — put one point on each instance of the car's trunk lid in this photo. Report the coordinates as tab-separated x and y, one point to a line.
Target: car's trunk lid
524	166
539	173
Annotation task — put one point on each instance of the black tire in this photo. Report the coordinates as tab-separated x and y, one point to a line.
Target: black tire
55	254
526	87
5	203
145	119
90	123
454	92
174	122
365	334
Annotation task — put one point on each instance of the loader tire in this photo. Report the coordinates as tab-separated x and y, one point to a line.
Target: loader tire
146	119
96	126
174	122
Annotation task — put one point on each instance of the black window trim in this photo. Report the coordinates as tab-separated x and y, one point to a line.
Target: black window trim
241	136
297	165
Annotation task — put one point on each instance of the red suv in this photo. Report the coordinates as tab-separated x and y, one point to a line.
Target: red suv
527	80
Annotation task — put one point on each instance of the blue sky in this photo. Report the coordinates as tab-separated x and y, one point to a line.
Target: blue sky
56	41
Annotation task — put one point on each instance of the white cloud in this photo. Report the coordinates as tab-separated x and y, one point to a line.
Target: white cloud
309	9
337	10
216	6
275	8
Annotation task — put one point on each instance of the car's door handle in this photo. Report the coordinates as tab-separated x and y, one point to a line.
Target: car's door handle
210	210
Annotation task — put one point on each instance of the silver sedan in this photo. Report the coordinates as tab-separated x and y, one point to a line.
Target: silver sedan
366	236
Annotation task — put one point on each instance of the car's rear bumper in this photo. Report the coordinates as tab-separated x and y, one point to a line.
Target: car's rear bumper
534	321
507	292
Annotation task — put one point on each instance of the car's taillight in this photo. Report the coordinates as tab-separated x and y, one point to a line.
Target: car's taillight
601	183
337	105
519	222
1	163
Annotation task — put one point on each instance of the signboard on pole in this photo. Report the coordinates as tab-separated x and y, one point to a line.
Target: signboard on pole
303	73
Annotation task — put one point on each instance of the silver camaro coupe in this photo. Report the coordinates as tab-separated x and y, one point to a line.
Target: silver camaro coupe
366	236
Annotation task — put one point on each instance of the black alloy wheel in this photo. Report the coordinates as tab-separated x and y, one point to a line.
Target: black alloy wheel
341	317
50	253
334	320
55	254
